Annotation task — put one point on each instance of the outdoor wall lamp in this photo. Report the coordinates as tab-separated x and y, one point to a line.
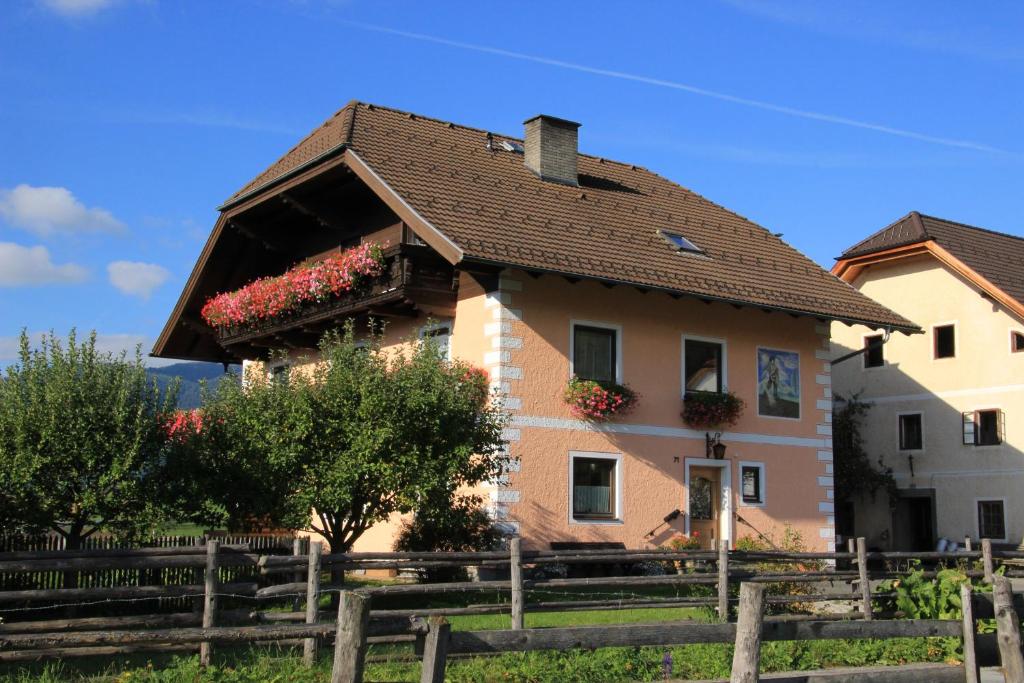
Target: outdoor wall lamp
714	448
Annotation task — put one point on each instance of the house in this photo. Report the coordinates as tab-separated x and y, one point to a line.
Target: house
539	263
947	409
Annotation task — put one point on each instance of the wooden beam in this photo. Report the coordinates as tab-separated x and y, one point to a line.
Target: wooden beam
304	209
247	231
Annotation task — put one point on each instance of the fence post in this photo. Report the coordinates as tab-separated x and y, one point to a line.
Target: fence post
435	652
970	653
516	574
1008	630
968	544
747	655
309	645
723	580
350	640
209	598
296	551
986	558
862	571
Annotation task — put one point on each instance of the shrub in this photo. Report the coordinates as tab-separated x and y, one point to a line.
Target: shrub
456	525
793	542
938	598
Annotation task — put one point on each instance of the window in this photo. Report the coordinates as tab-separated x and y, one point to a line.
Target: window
983	427
945	341
911	432
991	519
874	356
278	371
1017	342
703	365
439	336
680	242
595	353
595	487
752	483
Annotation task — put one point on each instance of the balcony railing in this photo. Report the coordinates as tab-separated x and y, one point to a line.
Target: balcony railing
411	276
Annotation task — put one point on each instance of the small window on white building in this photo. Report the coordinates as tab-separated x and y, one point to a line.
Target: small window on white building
277	371
945	341
984	427
595	487
438	335
911	432
752	483
1016	342
874	356
991	519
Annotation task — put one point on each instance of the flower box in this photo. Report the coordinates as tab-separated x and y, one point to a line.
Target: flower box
599	401
711	410
308	284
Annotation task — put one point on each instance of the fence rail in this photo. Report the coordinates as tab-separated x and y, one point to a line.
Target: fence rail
225	569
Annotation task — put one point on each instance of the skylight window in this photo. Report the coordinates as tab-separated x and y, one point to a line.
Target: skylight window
680	242
510	146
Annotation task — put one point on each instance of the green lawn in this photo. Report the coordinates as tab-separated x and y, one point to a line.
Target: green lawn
270	663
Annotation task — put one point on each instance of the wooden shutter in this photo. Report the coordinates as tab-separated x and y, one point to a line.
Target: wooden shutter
970	429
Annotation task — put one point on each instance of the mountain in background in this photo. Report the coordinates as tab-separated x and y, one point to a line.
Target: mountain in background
190	374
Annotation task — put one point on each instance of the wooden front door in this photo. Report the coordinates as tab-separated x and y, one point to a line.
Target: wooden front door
705	504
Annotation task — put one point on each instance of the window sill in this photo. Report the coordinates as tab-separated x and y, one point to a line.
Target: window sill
743	504
597	522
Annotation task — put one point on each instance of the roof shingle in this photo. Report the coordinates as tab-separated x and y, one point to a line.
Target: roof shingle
483	198
996	256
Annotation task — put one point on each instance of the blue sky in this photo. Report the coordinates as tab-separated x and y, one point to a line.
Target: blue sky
124	123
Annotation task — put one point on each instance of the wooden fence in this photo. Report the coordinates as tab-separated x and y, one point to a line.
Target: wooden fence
24	636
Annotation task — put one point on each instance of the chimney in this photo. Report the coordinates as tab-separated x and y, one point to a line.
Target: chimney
551	147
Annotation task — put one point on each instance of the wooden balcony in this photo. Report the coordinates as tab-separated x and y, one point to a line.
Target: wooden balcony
413	277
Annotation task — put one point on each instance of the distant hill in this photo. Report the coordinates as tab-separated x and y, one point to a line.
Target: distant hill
190	374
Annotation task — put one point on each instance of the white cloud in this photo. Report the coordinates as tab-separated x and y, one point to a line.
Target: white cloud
135	278
76	8
47	211
21	266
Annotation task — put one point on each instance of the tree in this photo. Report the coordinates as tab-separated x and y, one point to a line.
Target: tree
82	440
356	437
854	473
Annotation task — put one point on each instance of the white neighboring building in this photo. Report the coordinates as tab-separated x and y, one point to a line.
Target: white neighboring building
948	405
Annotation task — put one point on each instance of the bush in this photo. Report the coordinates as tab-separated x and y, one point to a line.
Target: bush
458	524
792	542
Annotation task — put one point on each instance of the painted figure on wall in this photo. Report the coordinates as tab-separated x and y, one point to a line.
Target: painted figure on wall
778	384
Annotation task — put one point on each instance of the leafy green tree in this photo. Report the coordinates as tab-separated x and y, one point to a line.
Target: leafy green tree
855	474
355	438
82	441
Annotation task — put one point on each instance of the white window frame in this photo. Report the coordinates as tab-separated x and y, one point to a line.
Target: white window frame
617	520
757	397
604	326
425	331
724	370
864	356
977	516
956	340
911	450
763	488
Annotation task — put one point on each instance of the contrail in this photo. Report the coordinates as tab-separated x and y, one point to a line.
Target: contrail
675	85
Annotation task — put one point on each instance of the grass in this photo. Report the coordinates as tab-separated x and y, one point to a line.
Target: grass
271	663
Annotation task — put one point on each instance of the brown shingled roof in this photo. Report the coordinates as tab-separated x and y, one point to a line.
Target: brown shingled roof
996	256
495	210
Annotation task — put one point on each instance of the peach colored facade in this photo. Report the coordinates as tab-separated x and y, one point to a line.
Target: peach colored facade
520	332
